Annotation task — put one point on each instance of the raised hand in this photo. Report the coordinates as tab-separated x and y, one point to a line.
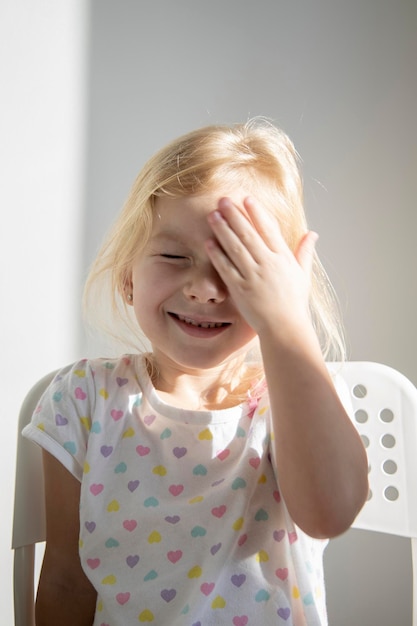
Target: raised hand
267	281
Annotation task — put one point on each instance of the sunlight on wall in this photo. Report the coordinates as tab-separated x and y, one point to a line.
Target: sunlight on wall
42	58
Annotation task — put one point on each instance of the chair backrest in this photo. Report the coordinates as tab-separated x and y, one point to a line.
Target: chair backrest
29	510
384	412
384	406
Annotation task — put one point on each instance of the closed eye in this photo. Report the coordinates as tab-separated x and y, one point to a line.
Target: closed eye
172	256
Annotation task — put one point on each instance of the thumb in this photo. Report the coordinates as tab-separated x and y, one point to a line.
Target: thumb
305	251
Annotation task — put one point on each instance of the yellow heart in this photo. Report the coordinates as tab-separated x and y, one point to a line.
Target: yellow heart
86	422
237	525
262	411
196	500
86	468
262	479
195	572
109	580
146	616
205	434
128	433
218	603
154	537
295	592
41	426
262	556
159	470
80	543
79	373
113	506
100	605
104	393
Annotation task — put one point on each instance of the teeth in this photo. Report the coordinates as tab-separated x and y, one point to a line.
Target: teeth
201	324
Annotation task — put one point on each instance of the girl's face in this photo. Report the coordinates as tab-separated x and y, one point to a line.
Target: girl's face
180	301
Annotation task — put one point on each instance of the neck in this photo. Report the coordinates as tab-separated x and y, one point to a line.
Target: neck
208	390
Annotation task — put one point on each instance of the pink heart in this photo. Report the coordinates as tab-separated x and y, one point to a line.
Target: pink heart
223	454
174	555
282	573
149	419
93	563
130	524
142	450
254	462
219	511
79	394
116	415
277	496
292	537
240	621
242	539
96	489
207	588
175	490
122	598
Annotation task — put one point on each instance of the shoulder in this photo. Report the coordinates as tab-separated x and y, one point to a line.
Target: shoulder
119	371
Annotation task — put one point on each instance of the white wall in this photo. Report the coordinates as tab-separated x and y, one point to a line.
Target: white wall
339	76
42	56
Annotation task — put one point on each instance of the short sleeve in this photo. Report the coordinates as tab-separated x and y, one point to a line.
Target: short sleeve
61	422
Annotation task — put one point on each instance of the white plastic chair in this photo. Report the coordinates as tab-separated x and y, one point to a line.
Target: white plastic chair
29	511
384	412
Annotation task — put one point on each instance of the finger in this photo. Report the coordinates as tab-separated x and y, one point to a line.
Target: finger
265	224
230	244
305	251
237	233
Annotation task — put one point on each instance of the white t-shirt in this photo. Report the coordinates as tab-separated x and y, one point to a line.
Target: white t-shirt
181	518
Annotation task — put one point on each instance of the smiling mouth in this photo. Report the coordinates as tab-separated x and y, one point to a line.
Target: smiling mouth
190	322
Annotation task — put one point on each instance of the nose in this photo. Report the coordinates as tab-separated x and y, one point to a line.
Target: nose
204	285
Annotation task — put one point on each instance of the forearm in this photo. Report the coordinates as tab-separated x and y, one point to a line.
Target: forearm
61	599
321	462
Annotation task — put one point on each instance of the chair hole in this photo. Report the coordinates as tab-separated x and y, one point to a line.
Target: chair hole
391	493
390	467
359	391
365	441
386	415
388	441
370	495
361	416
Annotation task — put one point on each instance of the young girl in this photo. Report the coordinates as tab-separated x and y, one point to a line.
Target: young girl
193	485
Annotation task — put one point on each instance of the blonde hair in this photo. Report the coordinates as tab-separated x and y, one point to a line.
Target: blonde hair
256	155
